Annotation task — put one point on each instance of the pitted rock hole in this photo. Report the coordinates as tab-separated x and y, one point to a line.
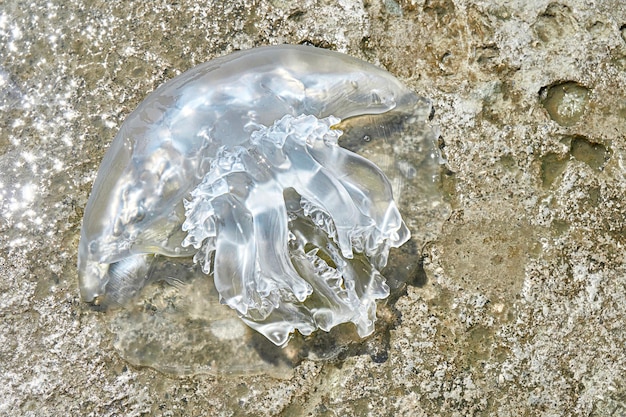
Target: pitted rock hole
594	155
552	166
554	23
565	102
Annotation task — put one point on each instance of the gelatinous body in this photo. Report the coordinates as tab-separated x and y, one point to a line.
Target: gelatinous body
236	163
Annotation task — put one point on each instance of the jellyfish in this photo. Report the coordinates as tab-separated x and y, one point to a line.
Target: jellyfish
237	163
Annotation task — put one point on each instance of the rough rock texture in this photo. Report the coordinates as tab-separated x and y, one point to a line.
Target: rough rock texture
520	308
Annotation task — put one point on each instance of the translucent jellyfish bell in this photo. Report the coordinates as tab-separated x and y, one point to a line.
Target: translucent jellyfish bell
238	164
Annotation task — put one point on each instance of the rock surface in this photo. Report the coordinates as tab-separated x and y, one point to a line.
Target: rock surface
520	306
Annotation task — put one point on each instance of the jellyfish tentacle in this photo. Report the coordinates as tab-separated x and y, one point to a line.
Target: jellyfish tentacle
290	138
371	193
267	206
235	254
345	292
301	259
271	235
